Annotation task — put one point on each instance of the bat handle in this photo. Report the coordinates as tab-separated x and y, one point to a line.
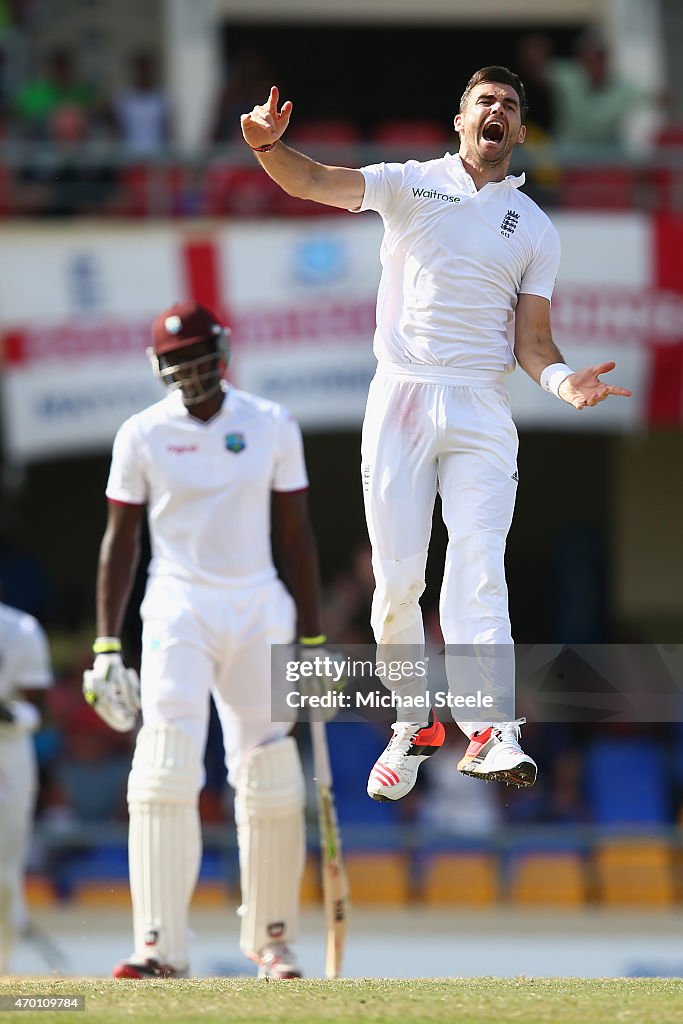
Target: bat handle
321	754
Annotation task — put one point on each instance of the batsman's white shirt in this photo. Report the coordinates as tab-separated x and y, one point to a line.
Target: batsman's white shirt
207	485
454	259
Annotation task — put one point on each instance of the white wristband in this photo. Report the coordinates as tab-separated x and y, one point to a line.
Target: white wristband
553	375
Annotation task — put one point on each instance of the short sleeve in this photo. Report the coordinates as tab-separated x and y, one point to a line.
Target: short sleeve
290	465
382	184
539	277
127	481
33	669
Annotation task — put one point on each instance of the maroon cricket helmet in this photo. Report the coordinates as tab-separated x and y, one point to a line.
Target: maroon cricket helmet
184	323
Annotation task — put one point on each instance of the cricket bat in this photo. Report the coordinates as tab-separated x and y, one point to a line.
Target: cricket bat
335	886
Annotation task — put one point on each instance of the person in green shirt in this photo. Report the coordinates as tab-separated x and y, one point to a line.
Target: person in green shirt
60	86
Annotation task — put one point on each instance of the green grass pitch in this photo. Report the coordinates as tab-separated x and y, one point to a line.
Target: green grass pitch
451	1001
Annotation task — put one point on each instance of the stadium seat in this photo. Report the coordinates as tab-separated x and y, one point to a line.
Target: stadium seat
335	132
311	885
598	188
39	891
548	879
102	892
410	133
239	191
354	747
627	782
378	879
635	873
461	879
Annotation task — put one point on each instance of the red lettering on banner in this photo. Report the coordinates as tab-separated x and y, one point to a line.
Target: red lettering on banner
306	324
643	317
76	340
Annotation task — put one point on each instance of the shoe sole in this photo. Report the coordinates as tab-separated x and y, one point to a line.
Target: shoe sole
521	776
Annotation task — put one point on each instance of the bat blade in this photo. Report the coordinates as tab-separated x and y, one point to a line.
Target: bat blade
334	882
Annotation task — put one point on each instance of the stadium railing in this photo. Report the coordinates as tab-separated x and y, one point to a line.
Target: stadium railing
97	180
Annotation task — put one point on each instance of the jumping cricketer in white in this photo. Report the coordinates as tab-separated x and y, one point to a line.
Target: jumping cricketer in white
213	466
468	268
24	667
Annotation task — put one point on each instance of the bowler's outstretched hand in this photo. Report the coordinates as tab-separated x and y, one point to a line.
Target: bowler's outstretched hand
584	387
265	124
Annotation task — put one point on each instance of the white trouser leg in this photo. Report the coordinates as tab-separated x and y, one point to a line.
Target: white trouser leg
399	488
478	490
269	812
164	843
17	795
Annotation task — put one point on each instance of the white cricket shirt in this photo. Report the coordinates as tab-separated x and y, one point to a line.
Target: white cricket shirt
454	259
207	486
24	653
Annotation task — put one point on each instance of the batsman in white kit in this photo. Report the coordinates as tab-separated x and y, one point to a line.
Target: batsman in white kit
214	468
24	671
468	267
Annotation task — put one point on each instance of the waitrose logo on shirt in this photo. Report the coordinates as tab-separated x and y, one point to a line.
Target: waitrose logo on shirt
431	193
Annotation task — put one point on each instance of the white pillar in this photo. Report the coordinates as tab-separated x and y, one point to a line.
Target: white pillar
193	67
635	35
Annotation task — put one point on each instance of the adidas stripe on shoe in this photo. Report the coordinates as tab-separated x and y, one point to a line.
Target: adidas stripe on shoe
394	773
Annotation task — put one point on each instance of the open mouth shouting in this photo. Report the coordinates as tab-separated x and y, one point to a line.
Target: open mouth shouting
494	132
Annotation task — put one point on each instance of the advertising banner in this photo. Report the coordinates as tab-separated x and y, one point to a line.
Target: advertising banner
76	305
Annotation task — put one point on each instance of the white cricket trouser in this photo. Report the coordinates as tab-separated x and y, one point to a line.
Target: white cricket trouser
200	639
17	796
451	432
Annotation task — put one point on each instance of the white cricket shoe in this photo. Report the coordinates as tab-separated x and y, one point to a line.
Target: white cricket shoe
495	755
395	772
277	962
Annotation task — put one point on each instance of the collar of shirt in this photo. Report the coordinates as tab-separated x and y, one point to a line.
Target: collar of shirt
458	170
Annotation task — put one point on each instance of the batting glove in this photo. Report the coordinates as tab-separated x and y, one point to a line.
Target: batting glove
111	689
327	675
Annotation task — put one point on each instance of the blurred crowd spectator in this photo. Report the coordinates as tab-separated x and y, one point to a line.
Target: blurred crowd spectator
72	150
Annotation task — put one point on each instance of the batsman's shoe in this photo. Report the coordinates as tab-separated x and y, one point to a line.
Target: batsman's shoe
141	970
495	755
395	772
277	962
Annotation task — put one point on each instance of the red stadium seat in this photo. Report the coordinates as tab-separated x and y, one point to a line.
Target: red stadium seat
338	132
598	188
411	133
412	140
238	191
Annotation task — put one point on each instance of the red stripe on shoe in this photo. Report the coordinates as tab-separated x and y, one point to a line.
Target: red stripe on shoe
383	773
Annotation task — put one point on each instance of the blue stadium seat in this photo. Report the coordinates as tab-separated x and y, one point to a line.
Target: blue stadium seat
354	748
627	782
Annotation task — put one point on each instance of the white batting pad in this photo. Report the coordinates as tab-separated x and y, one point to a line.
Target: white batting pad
269	811
164	841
